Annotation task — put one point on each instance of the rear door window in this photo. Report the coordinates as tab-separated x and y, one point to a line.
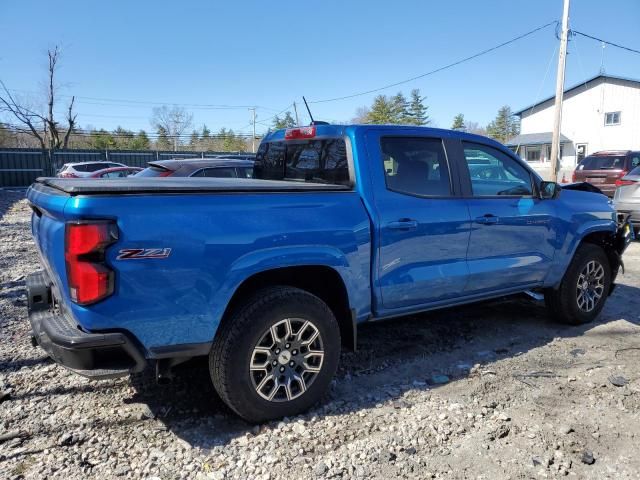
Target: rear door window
317	161
222	172
415	166
94	167
244	172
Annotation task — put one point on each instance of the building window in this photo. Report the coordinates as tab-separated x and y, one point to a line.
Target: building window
612	118
533	154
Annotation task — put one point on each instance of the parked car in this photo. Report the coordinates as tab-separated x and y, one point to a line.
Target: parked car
627	197
603	169
116	172
208	167
84	169
270	277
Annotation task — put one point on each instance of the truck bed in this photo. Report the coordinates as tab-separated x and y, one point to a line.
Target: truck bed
128	186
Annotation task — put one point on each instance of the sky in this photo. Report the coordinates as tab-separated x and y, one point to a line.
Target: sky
122	58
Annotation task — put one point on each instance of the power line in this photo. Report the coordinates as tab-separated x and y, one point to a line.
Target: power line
633	50
130	103
440	69
263	122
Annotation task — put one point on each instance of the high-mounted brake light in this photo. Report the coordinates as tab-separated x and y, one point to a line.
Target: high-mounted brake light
88	277
300	132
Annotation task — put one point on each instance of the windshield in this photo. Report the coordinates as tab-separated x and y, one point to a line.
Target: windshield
609	162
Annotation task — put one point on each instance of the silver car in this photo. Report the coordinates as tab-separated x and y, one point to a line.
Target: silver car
627	197
84	169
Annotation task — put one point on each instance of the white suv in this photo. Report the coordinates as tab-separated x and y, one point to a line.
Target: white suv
84	169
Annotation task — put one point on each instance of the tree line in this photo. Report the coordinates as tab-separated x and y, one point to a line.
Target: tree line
398	110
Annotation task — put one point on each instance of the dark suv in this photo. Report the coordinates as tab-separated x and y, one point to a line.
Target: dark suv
603	169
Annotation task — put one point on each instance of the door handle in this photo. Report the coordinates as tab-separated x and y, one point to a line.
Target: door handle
487	219
403	224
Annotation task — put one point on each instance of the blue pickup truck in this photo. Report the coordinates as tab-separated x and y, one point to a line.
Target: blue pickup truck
271	276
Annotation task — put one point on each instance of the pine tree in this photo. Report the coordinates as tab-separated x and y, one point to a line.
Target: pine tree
504	126
206	142
417	109
123	138
286	122
382	111
458	123
141	142
194	140
400	105
162	141
102	140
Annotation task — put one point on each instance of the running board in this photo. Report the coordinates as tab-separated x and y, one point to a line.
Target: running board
539	297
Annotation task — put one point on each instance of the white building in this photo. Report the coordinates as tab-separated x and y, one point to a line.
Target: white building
602	113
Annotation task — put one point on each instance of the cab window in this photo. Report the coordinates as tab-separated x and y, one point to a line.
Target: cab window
494	173
415	166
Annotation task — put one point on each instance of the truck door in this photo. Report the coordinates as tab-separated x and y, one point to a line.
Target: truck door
422	230
512	235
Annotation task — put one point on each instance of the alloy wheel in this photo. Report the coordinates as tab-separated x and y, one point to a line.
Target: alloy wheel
590	287
286	360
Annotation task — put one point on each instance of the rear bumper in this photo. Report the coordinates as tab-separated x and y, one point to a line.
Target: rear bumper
93	355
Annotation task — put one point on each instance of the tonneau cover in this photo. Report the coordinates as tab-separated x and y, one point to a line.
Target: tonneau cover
132	185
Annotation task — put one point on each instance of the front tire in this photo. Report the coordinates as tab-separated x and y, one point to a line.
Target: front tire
584	288
275	356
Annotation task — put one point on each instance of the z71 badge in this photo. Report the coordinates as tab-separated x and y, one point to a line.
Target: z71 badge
143	253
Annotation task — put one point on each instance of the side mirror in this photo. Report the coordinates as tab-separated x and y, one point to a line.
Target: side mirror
549	190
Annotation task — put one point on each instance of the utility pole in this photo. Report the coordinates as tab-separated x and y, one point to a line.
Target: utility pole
253	138
295	109
557	123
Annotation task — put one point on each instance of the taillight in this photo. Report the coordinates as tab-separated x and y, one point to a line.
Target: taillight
622	174
573	177
88	277
300	132
166	174
621	183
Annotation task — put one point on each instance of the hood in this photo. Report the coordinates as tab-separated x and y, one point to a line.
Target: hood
581	187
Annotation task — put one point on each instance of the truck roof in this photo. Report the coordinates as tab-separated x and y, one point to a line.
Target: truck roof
334	131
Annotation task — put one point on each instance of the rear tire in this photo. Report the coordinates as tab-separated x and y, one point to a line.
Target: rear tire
276	355
584	288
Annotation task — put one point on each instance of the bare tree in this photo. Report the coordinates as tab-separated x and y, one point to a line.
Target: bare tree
43	127
362	115
474	127
174	122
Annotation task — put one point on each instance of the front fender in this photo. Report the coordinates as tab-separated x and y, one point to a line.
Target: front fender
570	246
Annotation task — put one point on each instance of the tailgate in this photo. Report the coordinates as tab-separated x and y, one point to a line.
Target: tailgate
47	227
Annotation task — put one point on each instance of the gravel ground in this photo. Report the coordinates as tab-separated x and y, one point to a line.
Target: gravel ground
488	391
